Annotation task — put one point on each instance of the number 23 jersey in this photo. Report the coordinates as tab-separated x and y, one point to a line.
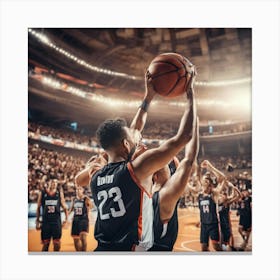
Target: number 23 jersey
123	207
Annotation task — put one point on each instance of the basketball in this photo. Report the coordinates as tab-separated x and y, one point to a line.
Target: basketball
170	74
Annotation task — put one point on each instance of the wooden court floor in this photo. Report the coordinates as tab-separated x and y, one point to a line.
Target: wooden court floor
187	241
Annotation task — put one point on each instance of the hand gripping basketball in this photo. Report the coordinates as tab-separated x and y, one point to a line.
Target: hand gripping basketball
169	74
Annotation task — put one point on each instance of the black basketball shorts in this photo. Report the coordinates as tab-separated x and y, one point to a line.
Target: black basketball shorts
78	226
209	230
50	230
245	222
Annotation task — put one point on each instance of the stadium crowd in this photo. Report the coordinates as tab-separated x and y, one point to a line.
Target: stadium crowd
62	134
45	165
166	130
152	131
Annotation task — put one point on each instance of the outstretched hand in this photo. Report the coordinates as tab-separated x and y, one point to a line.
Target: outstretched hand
190	86
149	88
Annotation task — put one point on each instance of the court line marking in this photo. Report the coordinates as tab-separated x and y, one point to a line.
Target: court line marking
185	247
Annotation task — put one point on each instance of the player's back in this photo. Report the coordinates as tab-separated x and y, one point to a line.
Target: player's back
121	220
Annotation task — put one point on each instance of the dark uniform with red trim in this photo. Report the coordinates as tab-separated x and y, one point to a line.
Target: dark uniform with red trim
119	200
225	222
80	221
165	234
245	213
51	224
208	219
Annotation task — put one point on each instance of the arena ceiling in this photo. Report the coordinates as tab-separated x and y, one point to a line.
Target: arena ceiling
112	63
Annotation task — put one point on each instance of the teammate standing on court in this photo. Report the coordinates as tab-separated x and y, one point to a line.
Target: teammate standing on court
224	214
122	189
51	200
81	205
207	201
245	217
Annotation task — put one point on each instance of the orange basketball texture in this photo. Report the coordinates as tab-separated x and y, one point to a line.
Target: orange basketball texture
169	74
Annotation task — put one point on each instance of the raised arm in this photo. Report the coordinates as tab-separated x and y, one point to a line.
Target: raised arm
95	163
219	175
236	194
82	179
140	118
175	186
154	159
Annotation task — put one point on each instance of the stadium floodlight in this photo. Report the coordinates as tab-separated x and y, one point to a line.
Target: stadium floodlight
44	39
223	83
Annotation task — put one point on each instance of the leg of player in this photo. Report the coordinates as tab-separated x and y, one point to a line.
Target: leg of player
215	237
83	238
247	233
231	242
56	245
204	247
77	243
46	244
240	230
216	245
204	237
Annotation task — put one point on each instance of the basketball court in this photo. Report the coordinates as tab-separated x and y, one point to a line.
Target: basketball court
187	241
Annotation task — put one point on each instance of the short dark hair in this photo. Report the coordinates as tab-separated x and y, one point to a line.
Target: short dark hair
111	132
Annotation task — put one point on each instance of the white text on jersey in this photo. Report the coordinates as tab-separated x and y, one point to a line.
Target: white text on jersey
108	179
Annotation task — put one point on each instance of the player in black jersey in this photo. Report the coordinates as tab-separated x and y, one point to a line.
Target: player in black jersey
167	190
51	200
81	205
122	189
224	214
207	201
245	220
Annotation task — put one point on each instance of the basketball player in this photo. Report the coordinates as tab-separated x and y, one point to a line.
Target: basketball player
245	220
167	191
224	214
51	200
81	205
122	190
207	201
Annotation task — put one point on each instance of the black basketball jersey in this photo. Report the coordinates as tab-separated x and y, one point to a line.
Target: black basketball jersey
51	206
207	207
245	207
124	208
165	234
80	208
224	214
